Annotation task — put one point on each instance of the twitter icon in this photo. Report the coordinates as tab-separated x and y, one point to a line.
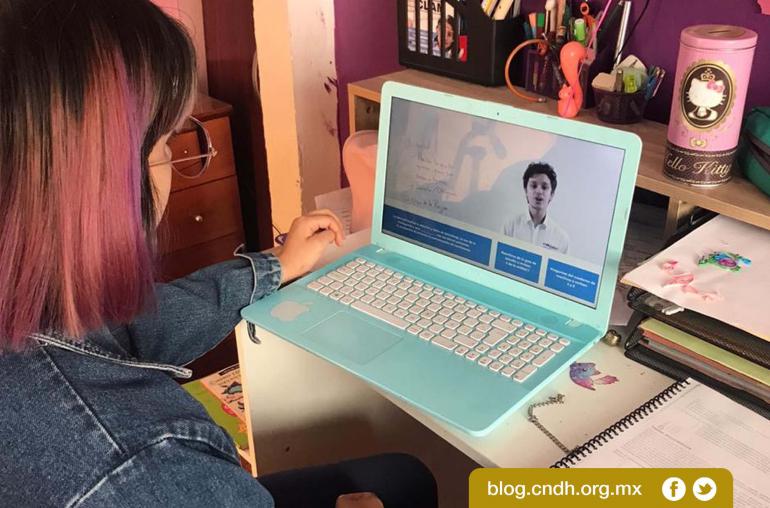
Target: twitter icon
704	489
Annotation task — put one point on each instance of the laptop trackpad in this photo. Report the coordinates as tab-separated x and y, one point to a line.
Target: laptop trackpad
352	337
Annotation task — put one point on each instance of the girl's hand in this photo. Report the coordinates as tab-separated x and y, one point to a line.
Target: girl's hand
307	238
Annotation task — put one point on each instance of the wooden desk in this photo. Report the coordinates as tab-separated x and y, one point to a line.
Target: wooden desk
738	199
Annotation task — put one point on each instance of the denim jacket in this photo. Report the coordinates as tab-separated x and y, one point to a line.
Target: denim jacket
101	422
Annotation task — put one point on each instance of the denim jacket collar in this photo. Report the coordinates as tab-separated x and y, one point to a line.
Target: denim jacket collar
87	348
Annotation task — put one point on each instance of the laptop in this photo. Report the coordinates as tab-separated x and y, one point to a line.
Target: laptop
496	239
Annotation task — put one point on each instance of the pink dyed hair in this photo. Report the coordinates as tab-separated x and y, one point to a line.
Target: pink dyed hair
87	89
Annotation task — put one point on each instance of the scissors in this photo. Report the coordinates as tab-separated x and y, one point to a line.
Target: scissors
585	10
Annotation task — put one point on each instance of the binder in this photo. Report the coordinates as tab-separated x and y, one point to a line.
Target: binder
708	329
676	370
704	327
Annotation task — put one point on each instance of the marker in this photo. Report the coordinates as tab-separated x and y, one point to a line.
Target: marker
540	24
533	23
580	30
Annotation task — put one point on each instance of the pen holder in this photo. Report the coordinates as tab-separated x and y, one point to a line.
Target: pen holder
540	78
472	46
618	107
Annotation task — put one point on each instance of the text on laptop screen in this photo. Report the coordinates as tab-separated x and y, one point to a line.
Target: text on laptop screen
528	204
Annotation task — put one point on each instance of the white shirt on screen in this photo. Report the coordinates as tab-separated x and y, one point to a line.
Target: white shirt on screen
547	235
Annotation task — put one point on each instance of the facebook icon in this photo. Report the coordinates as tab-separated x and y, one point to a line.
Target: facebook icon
674	489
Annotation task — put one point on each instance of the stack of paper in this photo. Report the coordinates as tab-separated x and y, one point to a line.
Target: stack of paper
737	297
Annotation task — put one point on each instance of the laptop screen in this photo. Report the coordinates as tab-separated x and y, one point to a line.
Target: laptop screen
524	203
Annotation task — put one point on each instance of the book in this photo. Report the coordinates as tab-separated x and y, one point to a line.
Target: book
488	6
221	394
428	30
502	9
687	425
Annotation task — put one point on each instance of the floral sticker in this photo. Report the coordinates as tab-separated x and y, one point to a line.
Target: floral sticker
725	260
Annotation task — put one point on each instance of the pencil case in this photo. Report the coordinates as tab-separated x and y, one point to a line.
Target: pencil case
754	150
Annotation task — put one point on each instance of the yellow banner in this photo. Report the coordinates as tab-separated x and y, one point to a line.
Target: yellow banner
604	488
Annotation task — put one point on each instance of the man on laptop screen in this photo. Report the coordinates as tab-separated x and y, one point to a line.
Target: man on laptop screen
454	185
535	226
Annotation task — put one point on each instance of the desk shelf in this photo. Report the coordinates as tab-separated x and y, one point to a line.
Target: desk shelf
738	199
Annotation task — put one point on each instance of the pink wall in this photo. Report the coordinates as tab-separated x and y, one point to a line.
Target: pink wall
170	6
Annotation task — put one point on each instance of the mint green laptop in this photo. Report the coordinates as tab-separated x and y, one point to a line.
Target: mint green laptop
496	239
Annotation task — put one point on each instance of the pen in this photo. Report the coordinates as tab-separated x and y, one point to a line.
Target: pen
550	16
650	87
561	6
661	75
561	35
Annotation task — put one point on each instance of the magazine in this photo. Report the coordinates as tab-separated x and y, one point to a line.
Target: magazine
221	394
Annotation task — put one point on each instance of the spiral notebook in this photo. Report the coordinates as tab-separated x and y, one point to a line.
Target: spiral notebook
687	425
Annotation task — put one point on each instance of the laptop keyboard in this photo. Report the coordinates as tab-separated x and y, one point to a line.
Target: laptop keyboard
494	341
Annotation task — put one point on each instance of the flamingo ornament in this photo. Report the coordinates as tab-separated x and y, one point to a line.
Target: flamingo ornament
571	94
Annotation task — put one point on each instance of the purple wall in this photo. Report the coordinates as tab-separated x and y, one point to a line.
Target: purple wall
366	42
656	40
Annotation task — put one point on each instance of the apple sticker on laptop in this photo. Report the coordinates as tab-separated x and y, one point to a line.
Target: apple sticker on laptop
289	310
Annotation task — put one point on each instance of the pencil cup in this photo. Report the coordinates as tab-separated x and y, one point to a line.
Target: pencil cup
620	108
540	77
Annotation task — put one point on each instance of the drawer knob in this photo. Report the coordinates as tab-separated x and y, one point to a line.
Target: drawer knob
198	219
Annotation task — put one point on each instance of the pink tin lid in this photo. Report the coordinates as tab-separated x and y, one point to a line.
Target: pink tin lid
724	37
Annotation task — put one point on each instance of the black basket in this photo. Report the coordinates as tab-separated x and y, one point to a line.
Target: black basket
480	44
618	107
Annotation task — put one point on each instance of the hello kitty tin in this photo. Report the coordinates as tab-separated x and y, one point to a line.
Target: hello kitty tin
712	75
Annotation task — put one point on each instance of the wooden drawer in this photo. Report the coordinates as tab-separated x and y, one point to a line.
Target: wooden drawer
182	262
200	214
187	144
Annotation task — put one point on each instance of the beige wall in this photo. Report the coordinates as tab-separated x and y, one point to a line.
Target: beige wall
295	51
190	12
